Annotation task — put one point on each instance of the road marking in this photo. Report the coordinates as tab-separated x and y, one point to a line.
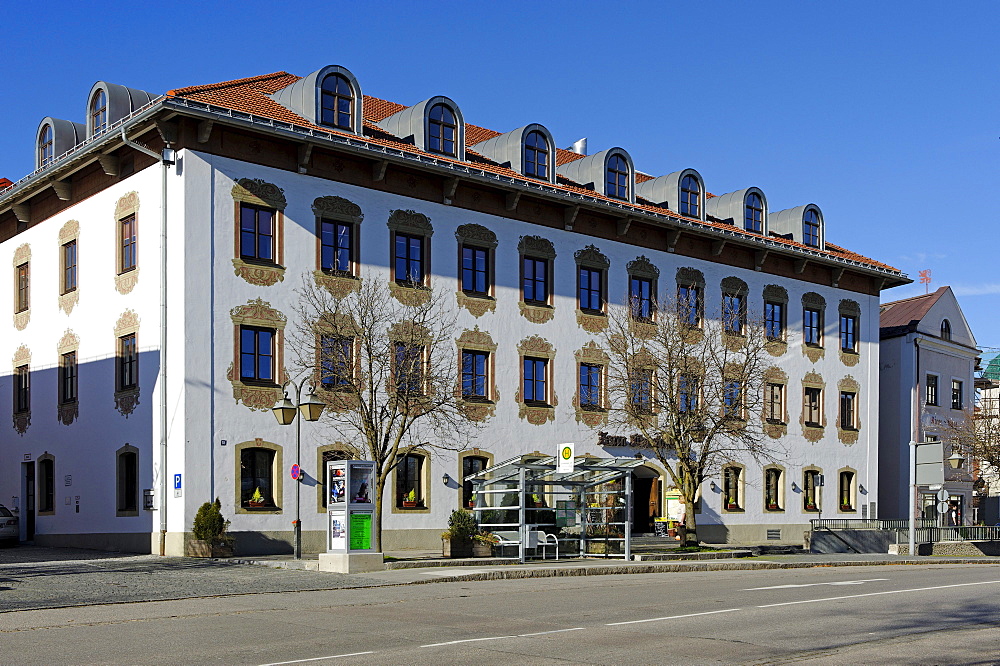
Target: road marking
497	638
875	594
332	656
672	617
842	582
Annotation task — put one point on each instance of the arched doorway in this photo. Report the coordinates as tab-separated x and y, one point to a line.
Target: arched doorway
646	499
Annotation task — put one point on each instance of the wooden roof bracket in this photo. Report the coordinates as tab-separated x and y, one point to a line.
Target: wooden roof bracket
879	283
717	247
758	259
109	163
673	235
378	170
569	217
837	274
800	266
511	200
22	212
450	187
167	130
623	225
63	189
305	154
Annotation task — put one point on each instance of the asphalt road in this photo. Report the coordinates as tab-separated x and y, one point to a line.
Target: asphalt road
930	614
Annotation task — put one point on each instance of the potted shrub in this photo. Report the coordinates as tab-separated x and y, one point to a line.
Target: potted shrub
256	500
457	541
410	500
483	542
209	530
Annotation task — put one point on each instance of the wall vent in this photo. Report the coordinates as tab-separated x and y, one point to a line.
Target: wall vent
774	535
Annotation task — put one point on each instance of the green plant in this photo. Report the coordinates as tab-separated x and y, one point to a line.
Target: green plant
257	496
461	525
410	496
486	537
210	525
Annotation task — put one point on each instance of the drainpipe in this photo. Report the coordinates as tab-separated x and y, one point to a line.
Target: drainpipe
165	159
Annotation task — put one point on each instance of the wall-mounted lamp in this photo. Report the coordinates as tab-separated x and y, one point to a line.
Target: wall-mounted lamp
861	489
445	478
714	487
795	488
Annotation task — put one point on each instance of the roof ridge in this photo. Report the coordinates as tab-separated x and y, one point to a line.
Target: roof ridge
913	298
228	84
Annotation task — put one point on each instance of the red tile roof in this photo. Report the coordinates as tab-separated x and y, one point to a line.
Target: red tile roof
909	311
250	95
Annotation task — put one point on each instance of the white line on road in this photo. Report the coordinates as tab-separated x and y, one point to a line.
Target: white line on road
875	594
842	582
332	656
672	617
497	638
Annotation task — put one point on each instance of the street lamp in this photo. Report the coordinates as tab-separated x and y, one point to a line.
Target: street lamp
956	460
285	412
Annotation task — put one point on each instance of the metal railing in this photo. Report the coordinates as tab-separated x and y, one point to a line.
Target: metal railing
867	524
957	533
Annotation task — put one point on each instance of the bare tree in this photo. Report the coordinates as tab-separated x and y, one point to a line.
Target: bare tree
976	435
386	365
689	389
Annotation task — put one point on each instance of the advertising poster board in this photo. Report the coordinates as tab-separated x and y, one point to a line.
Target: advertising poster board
338	486
361	530
338	530
361	476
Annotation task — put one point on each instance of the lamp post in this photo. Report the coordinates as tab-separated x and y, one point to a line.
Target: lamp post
286	412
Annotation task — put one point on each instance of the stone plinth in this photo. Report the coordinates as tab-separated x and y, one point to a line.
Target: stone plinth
351	562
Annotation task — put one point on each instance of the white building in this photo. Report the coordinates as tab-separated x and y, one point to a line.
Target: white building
261	164
927	370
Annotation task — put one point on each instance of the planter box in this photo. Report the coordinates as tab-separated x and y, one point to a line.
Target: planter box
482	549
196	548
409	505
456	548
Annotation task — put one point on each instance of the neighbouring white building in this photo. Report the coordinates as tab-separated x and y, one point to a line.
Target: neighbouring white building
927	368
270	178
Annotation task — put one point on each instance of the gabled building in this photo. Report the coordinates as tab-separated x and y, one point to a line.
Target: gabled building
927	369
154	253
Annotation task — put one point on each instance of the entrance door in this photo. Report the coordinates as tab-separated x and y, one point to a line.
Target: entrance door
643	496
28	505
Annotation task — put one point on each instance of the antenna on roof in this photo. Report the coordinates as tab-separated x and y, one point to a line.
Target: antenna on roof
579	147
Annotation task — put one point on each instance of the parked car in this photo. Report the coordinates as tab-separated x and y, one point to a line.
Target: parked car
9	532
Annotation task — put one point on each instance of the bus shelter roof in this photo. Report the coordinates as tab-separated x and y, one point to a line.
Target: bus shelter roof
587	471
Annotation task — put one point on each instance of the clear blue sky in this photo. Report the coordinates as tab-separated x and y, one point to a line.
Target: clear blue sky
882	113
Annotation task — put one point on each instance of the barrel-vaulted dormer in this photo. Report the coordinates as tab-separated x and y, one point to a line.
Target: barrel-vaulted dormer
528	150
681	191
609	172
435	125
804	224
329	97
55	137
109	102
744	209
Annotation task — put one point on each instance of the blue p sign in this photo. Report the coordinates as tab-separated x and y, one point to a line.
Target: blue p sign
177	481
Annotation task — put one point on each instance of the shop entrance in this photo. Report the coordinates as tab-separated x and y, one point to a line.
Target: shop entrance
646	503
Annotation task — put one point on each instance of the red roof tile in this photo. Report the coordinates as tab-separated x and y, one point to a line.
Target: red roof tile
908	312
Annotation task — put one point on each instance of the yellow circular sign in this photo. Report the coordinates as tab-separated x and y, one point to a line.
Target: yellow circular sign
566	452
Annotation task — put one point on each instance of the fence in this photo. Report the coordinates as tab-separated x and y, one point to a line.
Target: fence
935	534
867	524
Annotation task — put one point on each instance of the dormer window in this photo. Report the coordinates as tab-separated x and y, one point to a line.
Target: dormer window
753	213
46	144
810	228
617	181
946	330
336	102
441	123
99	112
690	196
536	155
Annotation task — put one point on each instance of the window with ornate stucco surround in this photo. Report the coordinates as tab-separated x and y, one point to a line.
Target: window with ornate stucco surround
22	256
258	313
479	237
68	411
776	429
813	301
850	489
411	223
592	354
475	452
22	359
540	348
774	293
814	433
692	278
592	258
126	398
850	308
339	326
69	233
125	278
259	192
536	247
734	286
478	409
424	483
641	267
277	478
335	451
849	436
338	209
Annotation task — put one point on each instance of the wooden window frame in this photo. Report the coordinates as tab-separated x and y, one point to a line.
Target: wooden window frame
774	502
812	326
68	378
812	407
485	377
127	362
733	488
931	390
336	96
256	380
70	278
545	381
22	287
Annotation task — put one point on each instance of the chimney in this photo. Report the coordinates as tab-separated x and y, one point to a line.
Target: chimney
579	147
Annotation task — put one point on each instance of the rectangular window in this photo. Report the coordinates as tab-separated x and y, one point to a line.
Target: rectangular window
21	278
128	482
733	313
591	290
812	406
476	270
128	362
128	252
688	390
812	326
46	486
732	399
772	489
256	233
69	267
641	298
775	397
336	361
335	247
409	259
474	374
471	465
848	410
256	354
810	494
67	378
409	368
731	488
689	305
590	386
931	391
641	390
22	389
847	491
535	284
848	333
957	401
774	320
257	478
535	378
409	482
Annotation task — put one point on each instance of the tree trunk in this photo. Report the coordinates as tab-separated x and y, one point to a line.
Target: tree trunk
689	531
380	486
